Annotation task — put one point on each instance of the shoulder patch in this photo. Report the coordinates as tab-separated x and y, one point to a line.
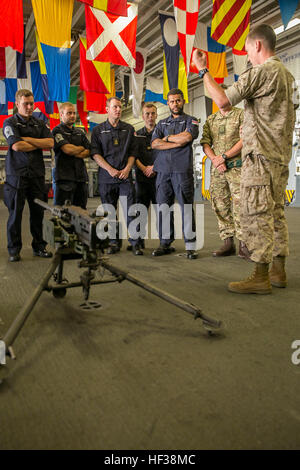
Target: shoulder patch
58	138
8	131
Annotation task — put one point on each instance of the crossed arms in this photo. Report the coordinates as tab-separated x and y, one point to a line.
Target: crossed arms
77	151
172	141
28	144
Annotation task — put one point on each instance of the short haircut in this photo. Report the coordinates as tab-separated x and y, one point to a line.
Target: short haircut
175	91
264	33
65	105
112	98
149	105
23	92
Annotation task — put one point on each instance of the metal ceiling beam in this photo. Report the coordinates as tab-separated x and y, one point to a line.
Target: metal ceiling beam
29	25
33	54
150	13
77	15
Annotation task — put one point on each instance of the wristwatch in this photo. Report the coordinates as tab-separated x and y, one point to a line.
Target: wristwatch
224	156
203	72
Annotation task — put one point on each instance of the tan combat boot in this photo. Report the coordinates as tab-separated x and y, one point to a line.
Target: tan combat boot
227	249
277	272
257	283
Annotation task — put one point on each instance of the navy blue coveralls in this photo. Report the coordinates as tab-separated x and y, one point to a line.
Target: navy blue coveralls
115	145
25	179
70	172
174	168
145	187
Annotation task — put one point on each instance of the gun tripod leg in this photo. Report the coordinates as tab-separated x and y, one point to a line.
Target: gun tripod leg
58	278
24	313
59	272
86	279
210	324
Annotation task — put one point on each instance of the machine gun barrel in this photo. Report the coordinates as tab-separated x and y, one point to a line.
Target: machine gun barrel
58	211
44	204
65	209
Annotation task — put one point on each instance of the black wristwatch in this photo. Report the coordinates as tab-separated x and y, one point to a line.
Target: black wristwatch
203	72
224	156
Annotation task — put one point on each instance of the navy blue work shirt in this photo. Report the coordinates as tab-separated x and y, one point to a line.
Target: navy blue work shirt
180	159
115	145
69	167
145	154
24	164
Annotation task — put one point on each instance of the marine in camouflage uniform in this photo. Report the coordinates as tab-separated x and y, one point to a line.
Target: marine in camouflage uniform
221	138
267	139
268	91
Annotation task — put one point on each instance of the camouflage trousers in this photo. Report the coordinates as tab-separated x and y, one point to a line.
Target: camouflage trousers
225	200
264	227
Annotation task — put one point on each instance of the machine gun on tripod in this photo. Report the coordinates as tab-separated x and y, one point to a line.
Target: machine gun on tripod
73	234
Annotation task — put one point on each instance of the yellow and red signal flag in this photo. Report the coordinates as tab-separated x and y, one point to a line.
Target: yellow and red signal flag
231	22
116	7
94	75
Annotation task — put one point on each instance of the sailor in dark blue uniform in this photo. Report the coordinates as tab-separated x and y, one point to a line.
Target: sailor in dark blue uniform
71	148
25	174
145	176
113	148
172	139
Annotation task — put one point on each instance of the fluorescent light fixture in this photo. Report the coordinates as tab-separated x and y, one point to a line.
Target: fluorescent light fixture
291	24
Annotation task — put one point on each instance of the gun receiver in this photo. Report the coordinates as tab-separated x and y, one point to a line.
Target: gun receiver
71	224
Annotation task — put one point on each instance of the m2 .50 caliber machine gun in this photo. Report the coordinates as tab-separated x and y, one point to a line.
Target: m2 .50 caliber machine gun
73	234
